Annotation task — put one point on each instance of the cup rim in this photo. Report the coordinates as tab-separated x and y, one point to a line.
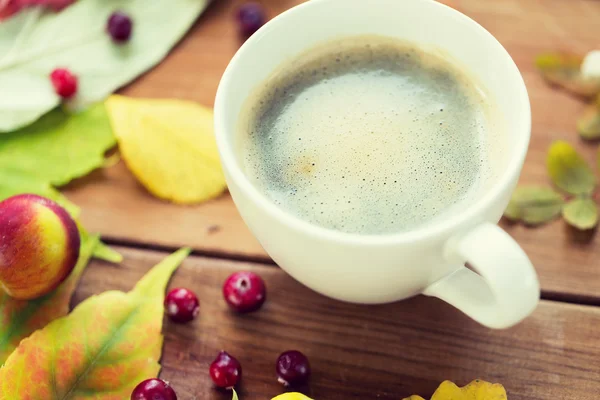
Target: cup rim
234	169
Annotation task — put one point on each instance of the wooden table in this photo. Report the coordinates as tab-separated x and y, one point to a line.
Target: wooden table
358	352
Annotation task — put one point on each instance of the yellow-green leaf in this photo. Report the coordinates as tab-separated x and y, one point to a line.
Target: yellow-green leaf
100	351
588	124
103	252
476	390
291	396
564	70
19	318
534	205
582	213
234	395
568	169
169	146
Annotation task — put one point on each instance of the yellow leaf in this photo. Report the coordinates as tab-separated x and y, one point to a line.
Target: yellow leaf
476	390
291	396
169	146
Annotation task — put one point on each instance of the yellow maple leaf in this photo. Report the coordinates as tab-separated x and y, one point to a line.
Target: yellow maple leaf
476	390
169	146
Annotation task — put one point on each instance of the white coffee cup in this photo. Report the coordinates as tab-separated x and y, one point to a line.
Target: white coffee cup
504	288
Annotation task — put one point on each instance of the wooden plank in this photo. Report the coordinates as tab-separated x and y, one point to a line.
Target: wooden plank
114	205
359	352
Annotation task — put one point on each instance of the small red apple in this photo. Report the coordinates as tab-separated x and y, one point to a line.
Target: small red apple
39	246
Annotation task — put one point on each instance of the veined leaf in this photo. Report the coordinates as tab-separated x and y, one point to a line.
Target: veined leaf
476	390
35	42
564	70
101	351
582	213
169	145
568	169
534	205
588	124
21	318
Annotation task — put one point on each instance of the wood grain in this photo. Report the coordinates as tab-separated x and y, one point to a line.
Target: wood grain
116	206
361	352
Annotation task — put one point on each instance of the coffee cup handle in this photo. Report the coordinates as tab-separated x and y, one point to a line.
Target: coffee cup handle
502	287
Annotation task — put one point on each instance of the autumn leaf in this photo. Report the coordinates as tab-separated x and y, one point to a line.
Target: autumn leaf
476	390
101	351
33	43
564	70
568	169
534	205
20	318
588	124
169	146
582	213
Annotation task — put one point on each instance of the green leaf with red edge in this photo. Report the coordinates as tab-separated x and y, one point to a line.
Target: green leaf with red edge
101	351
21	318
588	124
564	70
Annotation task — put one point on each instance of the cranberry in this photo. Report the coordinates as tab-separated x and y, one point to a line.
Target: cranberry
244	291
153	389
181	305
225	371
292	368
119	26
64	82
251	17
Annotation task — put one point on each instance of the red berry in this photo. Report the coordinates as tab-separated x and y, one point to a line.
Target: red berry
119	26
181	305
153	389
244	291
251	17
64	82
225	371
292	368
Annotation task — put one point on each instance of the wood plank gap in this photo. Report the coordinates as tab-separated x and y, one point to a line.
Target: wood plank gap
203	253
570	298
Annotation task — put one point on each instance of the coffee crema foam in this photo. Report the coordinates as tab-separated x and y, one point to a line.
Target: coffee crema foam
367	135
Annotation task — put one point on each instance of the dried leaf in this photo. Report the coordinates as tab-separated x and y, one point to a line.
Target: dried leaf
564	70
568	169
21	318
34	42
101	351
169	146
582	213
588	124
476	390
534	205
103	252
291	396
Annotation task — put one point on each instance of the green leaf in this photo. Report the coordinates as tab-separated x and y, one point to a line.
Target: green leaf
21	318
103	252
101	350
568	169
564	70
581	212
35	42
588	124
234	395
534	205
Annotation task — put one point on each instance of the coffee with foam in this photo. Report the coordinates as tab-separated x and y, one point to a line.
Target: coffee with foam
368	135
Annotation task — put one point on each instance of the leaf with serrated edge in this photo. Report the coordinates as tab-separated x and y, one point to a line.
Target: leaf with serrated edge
476	390
582	213
534	205
568	169
21	318
588	124
564	70
101	351
169	146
